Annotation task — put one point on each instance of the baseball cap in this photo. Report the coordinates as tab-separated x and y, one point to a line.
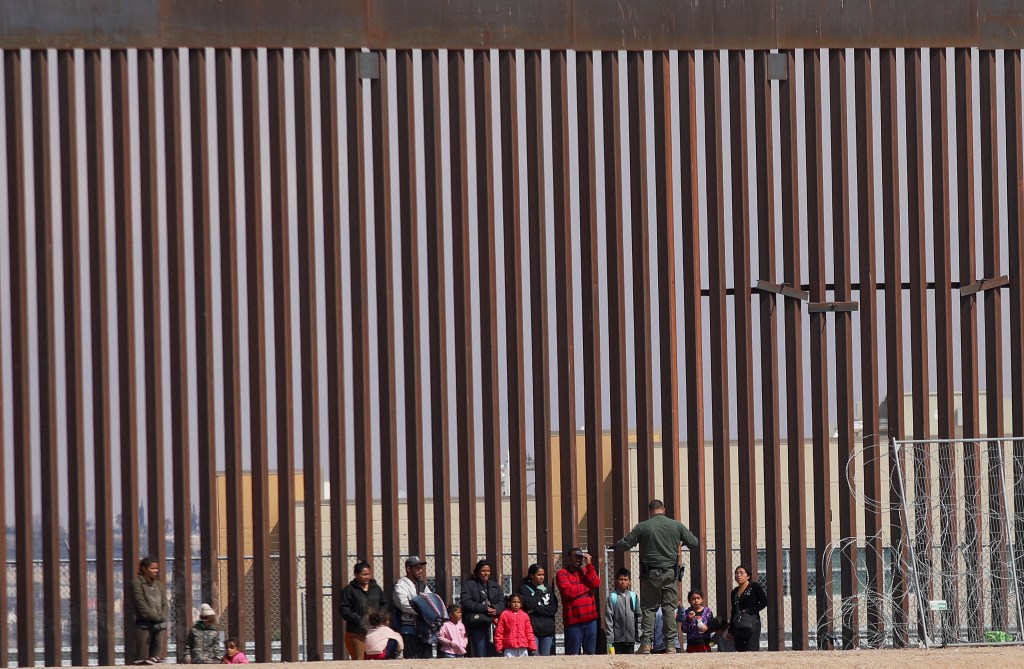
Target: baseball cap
414	561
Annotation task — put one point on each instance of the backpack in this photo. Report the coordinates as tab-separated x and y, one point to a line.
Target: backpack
633	599
431	614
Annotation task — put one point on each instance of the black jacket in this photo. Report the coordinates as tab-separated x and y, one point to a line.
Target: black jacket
542	607
356	605
476	597
753	600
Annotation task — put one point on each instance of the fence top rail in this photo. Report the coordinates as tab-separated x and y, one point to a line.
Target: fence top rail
987	440
506	24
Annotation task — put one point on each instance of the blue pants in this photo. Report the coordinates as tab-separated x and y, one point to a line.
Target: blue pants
545	645
480	643
581	637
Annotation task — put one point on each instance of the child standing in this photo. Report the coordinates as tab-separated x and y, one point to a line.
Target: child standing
234	654
623	615
513	635
694	623
382	642
452	639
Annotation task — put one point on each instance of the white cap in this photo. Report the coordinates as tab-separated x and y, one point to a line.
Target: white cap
206	611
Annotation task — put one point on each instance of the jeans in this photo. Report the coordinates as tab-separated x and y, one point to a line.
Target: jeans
545	645
581	637
480	644
414	648
624	647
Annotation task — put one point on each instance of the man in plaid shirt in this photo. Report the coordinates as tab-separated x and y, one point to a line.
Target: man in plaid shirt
576	581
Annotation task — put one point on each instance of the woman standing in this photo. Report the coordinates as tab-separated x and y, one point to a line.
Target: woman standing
482	602
748	599
540	602
361	597
149	595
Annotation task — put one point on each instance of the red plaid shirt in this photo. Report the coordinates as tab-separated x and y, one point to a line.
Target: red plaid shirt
576	586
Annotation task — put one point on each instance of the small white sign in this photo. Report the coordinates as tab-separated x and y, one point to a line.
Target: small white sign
938	605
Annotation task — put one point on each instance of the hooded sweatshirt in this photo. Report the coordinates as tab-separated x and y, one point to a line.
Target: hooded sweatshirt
203	645
542	605
514	631
622	617
356	605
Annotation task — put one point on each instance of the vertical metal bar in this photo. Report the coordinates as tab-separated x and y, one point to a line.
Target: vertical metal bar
768	322
229	288
462	277
362	432
539	347
78	597
388	429
840	149
486	254
279	226
964	96
591	299
99	273
791	246
565	344
433	163
666	243
618	378
991	254
312	477
4	629
335	364
151	313
639	221
516	372
818	372
14	96
47	357
893	330
178	328
944	353
127	381
695	446
199	132
740	150
410	242
259	477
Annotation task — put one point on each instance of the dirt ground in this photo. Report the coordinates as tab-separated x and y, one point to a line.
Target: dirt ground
983	658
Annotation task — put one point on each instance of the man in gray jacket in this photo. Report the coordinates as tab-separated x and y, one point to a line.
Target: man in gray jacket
406	589
660	540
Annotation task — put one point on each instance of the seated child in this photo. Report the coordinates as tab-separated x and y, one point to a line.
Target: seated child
452	639
234	653
513	634
722	639
694	623
382	642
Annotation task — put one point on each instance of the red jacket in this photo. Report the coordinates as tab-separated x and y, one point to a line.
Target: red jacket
514	630
576	586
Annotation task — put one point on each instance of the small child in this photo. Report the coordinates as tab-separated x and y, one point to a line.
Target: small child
451	639
623	615
694	623
234	653
382	642
721	639
513	634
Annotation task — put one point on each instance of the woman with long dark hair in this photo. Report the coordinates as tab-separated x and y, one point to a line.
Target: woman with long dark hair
482	602
540	602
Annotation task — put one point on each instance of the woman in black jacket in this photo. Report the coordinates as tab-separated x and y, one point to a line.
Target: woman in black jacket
540	602
361	597
748	597
482	602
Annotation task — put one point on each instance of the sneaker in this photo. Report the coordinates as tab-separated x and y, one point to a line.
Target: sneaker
645	649
671	650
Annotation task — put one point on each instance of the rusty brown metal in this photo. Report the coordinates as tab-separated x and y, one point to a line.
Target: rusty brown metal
668	339
125	280
794	351
99	273
841	231
891	235
639	221
255	289
310	436
694	368
739	150
944	337
231	342
67	104
1015	215
410	244
991	267
514	327
768	322
818	371
963	95
462	277
539	346
437	324
565	343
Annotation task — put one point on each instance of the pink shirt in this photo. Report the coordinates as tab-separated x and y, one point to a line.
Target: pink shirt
452	638
239	658
377	639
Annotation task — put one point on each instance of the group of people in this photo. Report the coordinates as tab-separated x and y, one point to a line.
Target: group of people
485	622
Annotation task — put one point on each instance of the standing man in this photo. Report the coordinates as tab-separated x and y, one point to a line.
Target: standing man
576	583
406	589
659	537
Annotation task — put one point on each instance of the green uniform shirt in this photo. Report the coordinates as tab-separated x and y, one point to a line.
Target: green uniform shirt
659	538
